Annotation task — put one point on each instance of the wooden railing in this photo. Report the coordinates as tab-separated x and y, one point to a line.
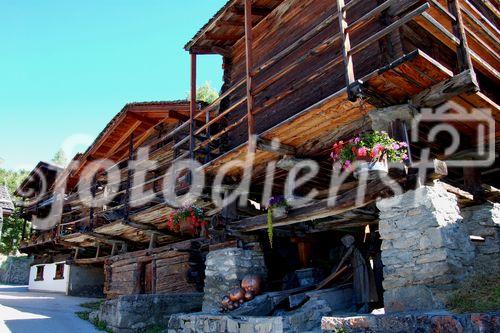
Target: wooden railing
203	142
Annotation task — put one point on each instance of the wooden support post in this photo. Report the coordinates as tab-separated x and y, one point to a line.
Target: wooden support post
129	177
472	183
152	241
192	108
346	49
98	251
464	58
113	249
249	74
124	248
76	253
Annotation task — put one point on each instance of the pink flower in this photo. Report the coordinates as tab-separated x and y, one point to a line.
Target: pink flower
361	152
395	146
405	157
376	148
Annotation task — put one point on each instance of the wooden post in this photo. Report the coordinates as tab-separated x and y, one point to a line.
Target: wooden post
98	251
129	177
76	253
152	241
464	59
346	49
192	108
249	68
113	249
472	183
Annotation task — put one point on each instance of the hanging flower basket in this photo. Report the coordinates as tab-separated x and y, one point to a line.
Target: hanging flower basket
372	169
369	154
189	220
277	209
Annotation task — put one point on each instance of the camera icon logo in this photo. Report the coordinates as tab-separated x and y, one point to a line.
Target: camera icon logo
452	119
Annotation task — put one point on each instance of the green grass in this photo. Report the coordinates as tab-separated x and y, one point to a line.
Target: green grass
479	293
155	329
84	315
92	305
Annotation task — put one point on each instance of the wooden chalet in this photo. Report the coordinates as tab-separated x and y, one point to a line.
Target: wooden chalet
307	73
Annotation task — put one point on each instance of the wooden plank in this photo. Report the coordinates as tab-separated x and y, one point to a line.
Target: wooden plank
346	48
390	28
249	73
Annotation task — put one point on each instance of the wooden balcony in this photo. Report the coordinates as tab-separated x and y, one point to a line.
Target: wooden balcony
274	100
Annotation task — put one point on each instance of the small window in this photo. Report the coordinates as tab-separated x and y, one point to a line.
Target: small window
39	273
59	272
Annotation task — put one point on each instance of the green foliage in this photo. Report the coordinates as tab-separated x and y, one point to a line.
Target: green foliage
479	293
92	305
206	93
155	329
12	225
99	324
84	315
60	158
270	226
12	178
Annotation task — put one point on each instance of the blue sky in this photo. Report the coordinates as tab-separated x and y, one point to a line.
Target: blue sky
67	67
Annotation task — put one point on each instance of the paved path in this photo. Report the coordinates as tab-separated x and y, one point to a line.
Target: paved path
22	311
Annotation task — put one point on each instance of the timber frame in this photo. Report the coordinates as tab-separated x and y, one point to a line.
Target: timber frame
305	73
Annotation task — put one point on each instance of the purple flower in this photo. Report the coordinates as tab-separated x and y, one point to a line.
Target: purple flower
357	140
405	157
395	146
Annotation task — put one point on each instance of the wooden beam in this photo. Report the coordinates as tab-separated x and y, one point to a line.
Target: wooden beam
344	202
463	55
256	10
390	28
444	91
142	119
223	38
249	73
346	48
282	149
120	141
192	108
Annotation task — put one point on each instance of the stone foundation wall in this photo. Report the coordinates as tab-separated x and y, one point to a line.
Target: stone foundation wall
425	248
305	319
224	271
15	270
130	314
421	323
484	221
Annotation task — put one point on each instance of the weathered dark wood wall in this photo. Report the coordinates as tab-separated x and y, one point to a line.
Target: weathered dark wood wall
160	271
308	82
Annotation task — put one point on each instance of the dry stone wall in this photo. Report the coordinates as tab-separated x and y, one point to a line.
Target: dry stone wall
484	221
224	271
425	248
